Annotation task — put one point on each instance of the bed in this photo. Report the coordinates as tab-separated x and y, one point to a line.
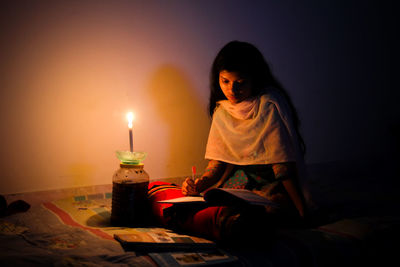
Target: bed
359	226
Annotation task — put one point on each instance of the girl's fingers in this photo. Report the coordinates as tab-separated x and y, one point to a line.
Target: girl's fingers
188	187
189	181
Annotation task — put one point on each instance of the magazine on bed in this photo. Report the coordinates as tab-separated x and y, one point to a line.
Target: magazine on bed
206	258
223	196
162	241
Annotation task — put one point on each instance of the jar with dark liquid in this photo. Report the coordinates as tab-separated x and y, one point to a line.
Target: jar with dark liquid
129	196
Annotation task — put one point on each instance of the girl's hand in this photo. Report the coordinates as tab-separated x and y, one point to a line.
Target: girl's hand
189	187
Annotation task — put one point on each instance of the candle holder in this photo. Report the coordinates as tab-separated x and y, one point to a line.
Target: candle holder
130	205
127	157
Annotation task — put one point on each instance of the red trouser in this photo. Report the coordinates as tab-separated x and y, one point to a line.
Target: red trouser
205	221
217	223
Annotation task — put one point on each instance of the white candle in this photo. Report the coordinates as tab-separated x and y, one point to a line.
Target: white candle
130	117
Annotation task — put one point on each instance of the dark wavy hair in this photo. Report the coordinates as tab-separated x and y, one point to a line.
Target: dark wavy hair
246	59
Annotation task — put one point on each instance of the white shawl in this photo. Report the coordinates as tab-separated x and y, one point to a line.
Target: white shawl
255	131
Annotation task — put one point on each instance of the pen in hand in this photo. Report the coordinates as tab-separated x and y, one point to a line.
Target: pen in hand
189	186
193	172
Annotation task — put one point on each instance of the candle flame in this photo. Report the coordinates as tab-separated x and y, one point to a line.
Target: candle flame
130	117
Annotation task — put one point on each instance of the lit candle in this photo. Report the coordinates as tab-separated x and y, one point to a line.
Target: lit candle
130	118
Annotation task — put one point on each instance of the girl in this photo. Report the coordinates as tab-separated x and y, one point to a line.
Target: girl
254	143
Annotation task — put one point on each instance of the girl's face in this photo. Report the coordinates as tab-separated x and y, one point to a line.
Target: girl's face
235	87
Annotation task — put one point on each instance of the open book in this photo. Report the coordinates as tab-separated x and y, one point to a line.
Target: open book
223	196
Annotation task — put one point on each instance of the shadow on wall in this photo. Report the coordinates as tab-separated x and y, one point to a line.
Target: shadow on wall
186	118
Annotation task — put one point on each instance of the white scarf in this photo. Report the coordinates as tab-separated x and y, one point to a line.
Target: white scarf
254	131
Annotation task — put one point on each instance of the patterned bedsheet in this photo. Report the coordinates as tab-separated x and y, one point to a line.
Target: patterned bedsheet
362	230
66	232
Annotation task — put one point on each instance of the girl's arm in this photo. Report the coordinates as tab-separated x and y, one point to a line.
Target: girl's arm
211	176
288	174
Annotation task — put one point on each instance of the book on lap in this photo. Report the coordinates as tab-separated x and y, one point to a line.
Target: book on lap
223	196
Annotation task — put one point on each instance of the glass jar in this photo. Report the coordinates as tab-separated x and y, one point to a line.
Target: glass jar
130	205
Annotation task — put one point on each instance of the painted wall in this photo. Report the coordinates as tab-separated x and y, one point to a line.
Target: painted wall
70	70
